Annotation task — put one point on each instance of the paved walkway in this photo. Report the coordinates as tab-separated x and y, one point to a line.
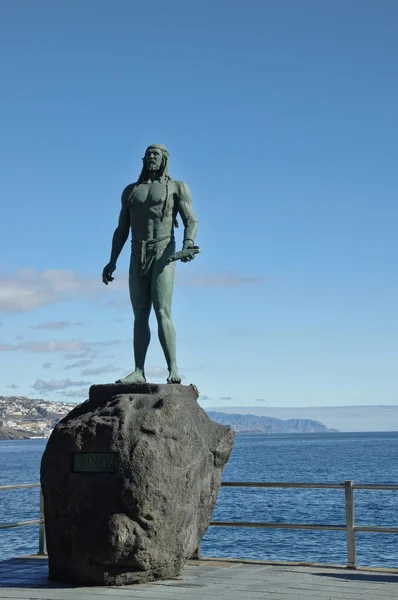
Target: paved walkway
26	578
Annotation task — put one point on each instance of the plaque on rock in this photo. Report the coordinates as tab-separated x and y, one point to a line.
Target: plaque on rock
94	462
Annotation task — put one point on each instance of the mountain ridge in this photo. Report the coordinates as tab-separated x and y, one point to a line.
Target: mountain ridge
346	419
249	423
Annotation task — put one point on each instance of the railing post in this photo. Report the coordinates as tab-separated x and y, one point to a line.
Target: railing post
42	528
350	521
196	554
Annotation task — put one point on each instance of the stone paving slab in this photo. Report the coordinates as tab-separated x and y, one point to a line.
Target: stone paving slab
26	578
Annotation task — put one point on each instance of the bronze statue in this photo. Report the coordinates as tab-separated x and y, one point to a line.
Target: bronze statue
150	208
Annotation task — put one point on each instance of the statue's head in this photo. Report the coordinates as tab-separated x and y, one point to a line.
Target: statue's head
156	157
155	160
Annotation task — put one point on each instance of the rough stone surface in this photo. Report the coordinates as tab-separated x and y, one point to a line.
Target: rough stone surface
144	521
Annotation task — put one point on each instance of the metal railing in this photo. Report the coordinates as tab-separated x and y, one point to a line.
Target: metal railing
39	521
349	527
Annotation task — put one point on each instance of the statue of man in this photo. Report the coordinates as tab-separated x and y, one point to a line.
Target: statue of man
150	208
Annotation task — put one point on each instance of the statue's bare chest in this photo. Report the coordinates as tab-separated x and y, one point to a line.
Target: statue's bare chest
149	198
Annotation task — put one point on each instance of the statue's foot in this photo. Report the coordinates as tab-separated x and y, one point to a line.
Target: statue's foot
174	376
136	376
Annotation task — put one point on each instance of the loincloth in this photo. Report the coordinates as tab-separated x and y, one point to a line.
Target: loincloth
146	251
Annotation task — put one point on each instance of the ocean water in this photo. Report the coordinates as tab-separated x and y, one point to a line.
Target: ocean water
364	458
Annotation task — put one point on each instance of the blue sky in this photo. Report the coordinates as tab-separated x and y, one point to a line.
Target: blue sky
282	118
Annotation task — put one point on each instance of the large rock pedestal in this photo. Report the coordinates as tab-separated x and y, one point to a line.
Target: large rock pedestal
130	479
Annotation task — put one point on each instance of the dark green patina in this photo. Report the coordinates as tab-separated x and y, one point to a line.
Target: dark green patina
150	207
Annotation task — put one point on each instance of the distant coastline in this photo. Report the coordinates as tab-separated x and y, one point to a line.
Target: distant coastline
349	419
24	418
254	424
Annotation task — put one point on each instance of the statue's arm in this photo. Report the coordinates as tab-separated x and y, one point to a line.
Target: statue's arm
187	213
123	228
119	237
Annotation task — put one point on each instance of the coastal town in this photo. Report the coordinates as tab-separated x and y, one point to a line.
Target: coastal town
23	418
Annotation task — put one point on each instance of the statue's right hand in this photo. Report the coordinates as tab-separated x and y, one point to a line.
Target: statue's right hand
107	273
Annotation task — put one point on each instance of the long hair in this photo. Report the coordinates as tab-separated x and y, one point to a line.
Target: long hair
164	171
163	176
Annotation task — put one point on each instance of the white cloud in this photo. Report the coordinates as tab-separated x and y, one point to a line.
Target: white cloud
54	346
100	370
156	372
123	302
47	365
13	386
82	393
29	289
78	363
73	348
56	384
55	325
76	355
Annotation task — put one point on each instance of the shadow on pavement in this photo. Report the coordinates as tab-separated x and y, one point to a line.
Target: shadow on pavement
361	577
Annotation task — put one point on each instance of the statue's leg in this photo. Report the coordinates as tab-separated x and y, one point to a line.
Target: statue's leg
162	293
140	296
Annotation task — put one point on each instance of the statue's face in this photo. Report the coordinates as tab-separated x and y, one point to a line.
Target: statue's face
153	158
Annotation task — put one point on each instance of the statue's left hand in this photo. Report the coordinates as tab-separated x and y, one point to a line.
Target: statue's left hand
190	256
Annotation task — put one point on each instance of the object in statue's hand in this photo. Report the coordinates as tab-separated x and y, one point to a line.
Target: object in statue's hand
185	254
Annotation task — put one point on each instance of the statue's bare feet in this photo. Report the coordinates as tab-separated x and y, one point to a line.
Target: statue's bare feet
174	376
136	376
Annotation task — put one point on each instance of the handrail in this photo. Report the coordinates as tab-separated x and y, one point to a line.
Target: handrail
291	484
375	486
349	527
40	521
20	486
280	484
20	524
278	525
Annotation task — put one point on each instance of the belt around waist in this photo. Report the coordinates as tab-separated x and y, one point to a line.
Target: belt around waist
153	241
